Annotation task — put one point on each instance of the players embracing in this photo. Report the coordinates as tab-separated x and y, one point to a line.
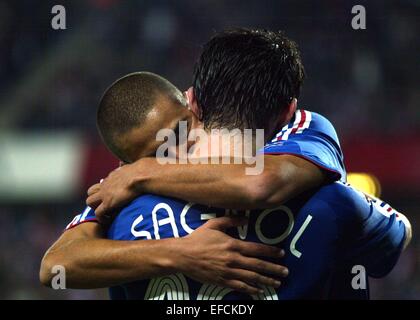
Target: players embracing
245	79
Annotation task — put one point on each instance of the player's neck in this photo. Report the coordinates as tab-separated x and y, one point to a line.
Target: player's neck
225	143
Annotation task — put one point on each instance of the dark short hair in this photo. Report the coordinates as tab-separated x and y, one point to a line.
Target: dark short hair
245	77
126	103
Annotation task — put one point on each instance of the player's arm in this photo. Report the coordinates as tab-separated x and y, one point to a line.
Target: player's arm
385	233
91	261
402	220
219	185
207	255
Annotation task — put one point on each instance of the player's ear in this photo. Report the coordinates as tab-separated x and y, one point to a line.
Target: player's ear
291	109
192	102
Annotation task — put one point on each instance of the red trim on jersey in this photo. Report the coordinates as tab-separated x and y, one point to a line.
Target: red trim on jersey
301	123
308	159
77	224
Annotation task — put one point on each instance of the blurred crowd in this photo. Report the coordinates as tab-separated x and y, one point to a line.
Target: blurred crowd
363	80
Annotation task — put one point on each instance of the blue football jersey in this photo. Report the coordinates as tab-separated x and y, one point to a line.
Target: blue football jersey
325	235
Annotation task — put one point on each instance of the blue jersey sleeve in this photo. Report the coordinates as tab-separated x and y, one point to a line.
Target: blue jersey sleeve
88	215
311	137
353	229
380	239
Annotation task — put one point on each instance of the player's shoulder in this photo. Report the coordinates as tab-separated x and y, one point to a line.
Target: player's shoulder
153	200
143	204
148	204
316	117
340	190
311	118
306	124
88	215
321	123
342	195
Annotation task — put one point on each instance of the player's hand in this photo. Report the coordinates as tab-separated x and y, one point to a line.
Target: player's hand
113	192
211	256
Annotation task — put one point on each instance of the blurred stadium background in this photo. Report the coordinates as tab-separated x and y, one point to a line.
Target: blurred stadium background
365	81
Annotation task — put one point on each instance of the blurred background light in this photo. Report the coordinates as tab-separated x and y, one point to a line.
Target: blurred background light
365	182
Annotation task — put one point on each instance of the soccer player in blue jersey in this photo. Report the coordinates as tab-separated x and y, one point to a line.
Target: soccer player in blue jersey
326	233
283	177
321	151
